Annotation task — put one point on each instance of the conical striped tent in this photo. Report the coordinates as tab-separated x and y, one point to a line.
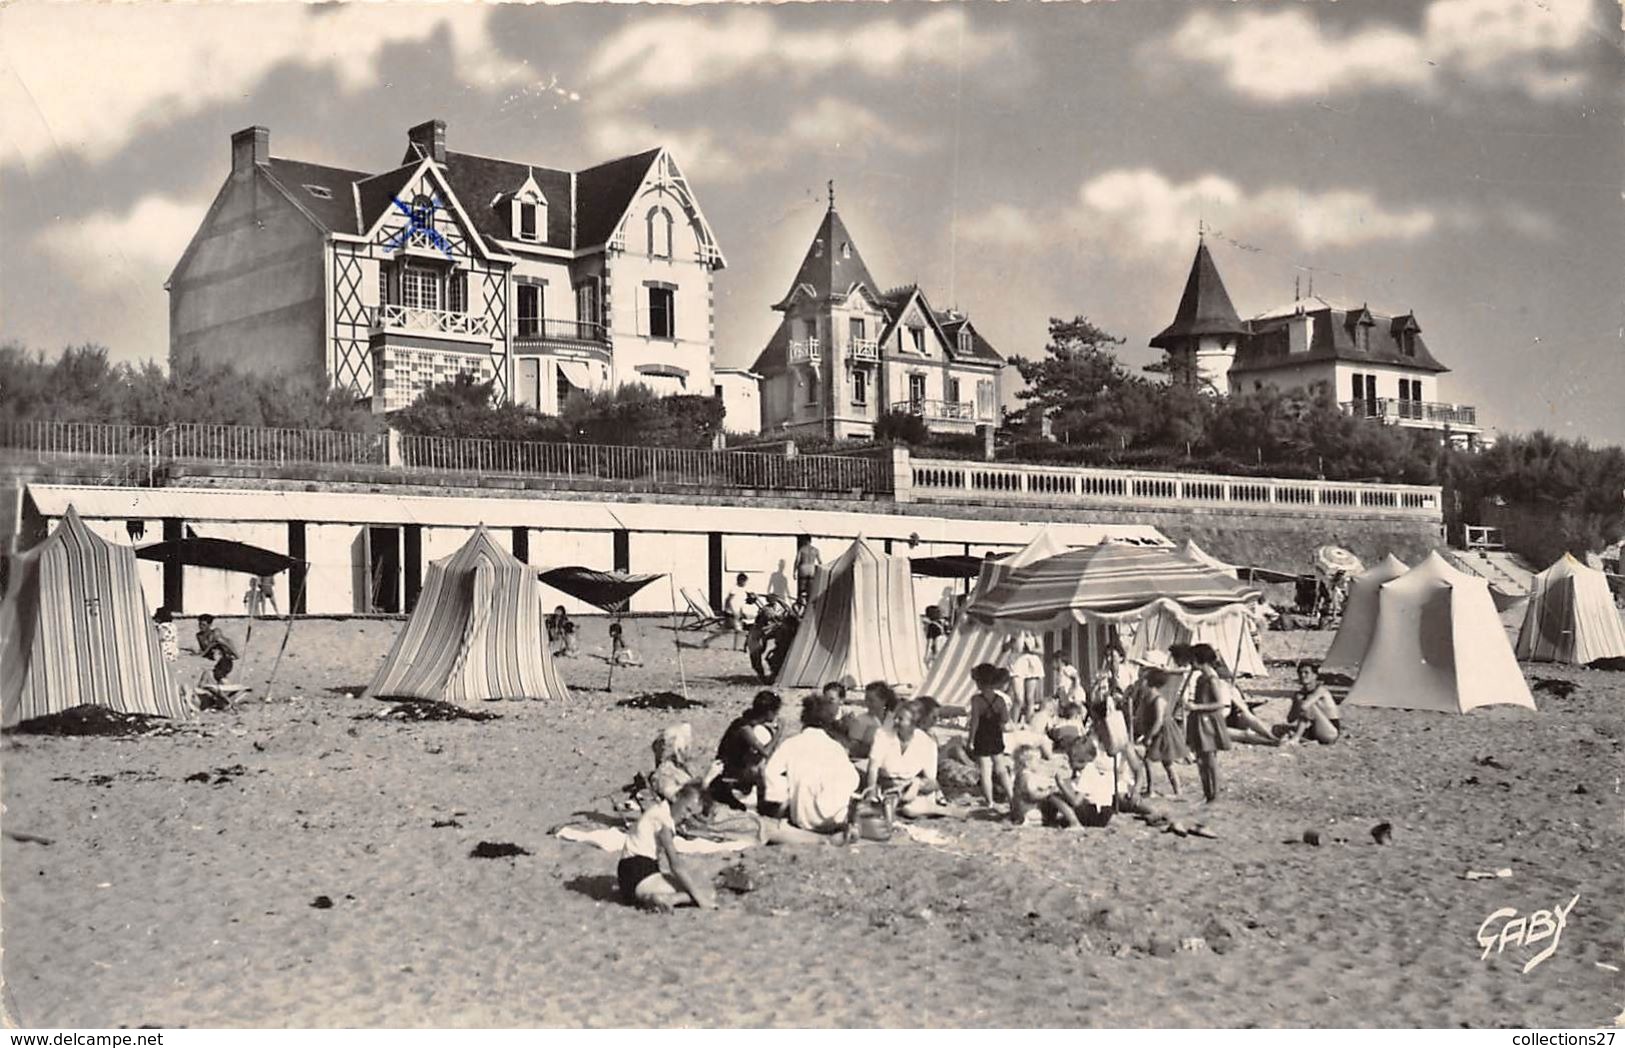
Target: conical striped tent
1108	583
1438	646
75	631
861	624
1202	556
972	643
1571	617
1359	623
477	633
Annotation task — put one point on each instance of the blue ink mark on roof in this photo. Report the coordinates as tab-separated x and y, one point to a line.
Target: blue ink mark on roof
419	222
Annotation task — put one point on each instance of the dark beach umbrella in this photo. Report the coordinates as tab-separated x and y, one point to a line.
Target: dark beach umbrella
609	590
955	566
223	554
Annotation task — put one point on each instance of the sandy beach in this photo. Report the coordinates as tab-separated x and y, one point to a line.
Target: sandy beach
180	884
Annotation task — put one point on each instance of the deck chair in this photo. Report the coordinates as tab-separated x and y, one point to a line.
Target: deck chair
698	615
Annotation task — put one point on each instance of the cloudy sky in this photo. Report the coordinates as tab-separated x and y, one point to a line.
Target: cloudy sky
1458	158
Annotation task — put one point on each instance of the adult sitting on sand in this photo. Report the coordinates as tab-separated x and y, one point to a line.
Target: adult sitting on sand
1087	798
655	835
813	775
859	729
744	749
1314	711
903	767
216	647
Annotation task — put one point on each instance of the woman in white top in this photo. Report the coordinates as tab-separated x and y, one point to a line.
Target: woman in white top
813	775
1024	652
903	767
655	835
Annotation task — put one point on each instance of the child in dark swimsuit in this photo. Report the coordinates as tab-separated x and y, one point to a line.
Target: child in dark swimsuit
989	712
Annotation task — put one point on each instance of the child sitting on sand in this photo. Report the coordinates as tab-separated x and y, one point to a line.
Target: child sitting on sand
655	835
1032	786
619	653
562	632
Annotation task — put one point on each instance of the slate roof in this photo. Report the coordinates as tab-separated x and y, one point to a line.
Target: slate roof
980	350
1204	308
826	270
775	356
482	186
1265	345
336	214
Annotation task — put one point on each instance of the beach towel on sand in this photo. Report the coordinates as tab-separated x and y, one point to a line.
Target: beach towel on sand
610	839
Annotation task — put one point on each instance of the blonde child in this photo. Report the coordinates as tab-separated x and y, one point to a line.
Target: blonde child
619	653
1087	797
989	715
655	835
1032	786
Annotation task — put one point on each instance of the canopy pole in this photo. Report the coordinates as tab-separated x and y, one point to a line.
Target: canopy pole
677	636
293	602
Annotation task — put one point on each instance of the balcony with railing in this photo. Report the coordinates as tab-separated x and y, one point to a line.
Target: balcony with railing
1418	413
435	323
543	334
863	349
805	351
937	410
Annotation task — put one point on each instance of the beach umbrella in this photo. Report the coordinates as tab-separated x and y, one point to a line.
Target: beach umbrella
220	554
609	590
1329	560
953	566
1111	583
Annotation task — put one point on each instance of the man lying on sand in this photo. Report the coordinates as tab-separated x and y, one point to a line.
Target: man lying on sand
651	837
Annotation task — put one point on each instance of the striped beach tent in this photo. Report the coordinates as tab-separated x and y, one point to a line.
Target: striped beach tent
1359	622
1202	556
1571	617
75	631
477	633
972	643
861	624
1109	583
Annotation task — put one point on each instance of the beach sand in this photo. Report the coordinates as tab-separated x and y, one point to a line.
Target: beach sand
171	902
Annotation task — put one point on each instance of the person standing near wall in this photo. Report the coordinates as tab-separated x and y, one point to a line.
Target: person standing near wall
807	564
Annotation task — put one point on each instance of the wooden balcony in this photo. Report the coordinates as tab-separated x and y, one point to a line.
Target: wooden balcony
805	351
398	317
863	349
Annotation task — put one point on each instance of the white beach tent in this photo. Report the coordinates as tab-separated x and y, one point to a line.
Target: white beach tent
1227	632
1438	645
1571	617
1360	614
1201	556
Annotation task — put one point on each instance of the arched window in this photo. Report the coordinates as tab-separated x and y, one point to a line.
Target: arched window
659	223
422	212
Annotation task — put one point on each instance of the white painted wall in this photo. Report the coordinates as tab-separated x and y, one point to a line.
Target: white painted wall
329	588
682	557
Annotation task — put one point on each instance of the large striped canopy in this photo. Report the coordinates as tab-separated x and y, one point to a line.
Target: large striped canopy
74	631
972	643
1571	617
476	633
861	624
1111	583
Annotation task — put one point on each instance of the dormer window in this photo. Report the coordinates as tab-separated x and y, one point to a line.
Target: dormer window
818	248
319	192
658	222
528	216
846	249
965	340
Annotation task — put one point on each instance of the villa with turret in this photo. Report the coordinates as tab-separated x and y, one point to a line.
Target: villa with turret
847	353
1377	365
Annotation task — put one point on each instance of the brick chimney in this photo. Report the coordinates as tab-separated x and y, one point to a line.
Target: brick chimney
429	138
250	146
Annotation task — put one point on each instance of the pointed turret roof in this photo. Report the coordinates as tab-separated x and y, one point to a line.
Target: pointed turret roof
832	265
1205	307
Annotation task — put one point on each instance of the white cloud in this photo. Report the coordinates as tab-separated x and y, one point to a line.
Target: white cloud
1139	211
827	125
87	78
1286	54
675	54
107	248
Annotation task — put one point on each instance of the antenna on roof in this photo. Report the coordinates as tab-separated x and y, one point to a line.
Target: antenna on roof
1295	283
1311	283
